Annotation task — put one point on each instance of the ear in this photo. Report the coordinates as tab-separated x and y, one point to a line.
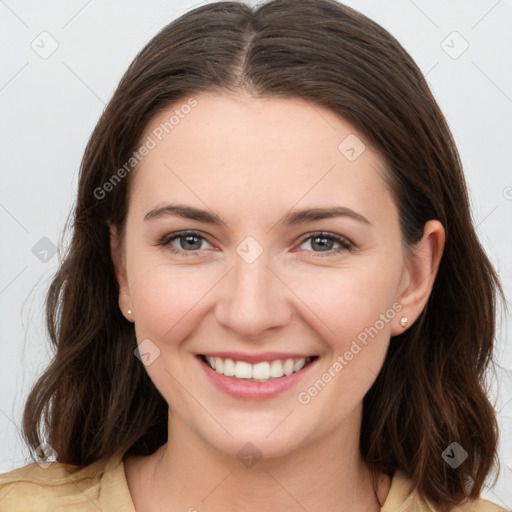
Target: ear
120	270
421	270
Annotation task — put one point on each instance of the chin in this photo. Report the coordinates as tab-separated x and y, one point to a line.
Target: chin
268	440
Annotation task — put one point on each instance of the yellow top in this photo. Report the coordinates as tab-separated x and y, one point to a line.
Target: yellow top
100	487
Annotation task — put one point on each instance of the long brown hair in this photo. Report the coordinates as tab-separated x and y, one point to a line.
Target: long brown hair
95	400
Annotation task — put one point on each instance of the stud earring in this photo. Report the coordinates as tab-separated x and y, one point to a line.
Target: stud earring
129	311
403	321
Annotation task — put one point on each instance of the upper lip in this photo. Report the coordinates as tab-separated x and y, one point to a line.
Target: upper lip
258	358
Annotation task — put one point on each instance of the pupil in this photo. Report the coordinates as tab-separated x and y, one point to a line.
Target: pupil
323	243
188	239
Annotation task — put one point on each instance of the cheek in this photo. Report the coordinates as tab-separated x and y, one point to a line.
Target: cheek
345	302
166	298
355	310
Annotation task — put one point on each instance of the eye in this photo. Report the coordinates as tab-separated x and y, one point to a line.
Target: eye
187	242
324	242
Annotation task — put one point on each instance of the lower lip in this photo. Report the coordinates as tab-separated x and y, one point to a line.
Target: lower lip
251	390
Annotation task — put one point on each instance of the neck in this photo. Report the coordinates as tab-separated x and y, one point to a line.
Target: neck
189	474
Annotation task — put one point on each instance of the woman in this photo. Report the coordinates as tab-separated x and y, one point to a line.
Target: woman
274	296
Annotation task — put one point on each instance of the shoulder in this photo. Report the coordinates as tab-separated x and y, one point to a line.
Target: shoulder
62	487
402	498
31	486
479	505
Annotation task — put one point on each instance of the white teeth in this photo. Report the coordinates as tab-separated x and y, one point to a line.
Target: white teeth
288	367
299	364
276	368
243	370
229	367
260	371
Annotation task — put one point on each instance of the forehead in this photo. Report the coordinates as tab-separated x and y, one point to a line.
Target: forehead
256	152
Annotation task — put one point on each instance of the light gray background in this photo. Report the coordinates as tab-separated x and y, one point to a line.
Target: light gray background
50	105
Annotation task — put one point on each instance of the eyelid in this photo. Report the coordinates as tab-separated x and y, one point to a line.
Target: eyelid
166	240
343	241
327	234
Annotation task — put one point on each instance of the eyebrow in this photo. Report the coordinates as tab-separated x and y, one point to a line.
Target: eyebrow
292	218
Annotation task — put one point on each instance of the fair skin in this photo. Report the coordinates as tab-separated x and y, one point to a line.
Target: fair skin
252	161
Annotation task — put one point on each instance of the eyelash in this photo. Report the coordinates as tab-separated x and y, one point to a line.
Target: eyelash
167	239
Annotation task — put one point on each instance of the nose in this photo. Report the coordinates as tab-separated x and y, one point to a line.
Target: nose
253	299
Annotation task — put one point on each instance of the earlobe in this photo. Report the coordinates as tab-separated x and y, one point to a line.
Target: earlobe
422	265
120	271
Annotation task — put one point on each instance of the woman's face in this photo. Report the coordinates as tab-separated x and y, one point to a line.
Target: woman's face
295	252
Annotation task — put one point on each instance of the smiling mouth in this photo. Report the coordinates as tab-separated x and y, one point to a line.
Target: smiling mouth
260	372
